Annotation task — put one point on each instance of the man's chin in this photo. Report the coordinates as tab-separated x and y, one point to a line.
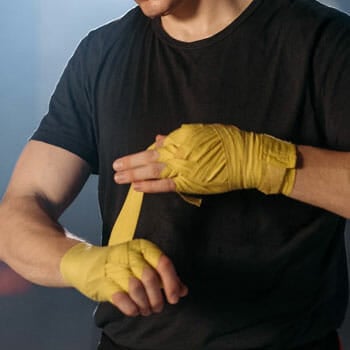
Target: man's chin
155	8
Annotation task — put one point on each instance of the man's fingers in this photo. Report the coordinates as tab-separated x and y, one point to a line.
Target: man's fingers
147	172
125	304
139	296
155	186
174	289
152	283
160	140
139	159
145	295
135	160
141	167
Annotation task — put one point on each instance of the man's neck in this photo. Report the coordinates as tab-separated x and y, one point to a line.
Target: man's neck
194	20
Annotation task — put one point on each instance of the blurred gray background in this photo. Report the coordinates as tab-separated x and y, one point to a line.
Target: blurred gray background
37	38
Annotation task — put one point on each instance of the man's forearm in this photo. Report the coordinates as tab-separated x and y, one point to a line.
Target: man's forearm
32	242
323	179
322	176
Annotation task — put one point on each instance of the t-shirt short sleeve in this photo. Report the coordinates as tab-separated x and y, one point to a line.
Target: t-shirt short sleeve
69	123
333	80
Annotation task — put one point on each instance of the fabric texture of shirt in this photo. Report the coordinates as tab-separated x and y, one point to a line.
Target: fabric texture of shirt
264	272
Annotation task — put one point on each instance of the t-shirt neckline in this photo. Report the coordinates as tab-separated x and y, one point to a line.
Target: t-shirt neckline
164	36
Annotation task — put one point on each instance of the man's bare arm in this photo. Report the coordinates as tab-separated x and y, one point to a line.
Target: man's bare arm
45	181
323	179
33	243
322	176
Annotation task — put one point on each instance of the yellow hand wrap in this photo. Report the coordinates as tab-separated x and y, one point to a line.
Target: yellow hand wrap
99	272
215	158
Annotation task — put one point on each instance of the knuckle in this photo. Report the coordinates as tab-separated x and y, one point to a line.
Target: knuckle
150	277
170	184
124	162
152	186
155	171
118	298
154	155
135	286
129	176
165	262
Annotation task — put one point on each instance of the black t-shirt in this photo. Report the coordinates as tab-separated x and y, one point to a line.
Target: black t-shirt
264	272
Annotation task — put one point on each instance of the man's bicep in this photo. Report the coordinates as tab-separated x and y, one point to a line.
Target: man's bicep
49	172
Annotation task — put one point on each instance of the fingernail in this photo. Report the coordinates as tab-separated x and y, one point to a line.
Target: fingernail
158	310
119	177
174	299
184	291
145	312
117	165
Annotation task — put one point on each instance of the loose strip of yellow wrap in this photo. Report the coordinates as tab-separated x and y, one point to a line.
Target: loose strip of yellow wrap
125	225
261	161
126	222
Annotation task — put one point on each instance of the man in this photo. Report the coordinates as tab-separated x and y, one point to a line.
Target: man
260	264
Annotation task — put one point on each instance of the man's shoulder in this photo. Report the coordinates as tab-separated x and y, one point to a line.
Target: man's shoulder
118	30
119	25
311	13
305	25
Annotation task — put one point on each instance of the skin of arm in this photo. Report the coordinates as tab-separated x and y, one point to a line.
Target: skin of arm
322	176
323	179
45	181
